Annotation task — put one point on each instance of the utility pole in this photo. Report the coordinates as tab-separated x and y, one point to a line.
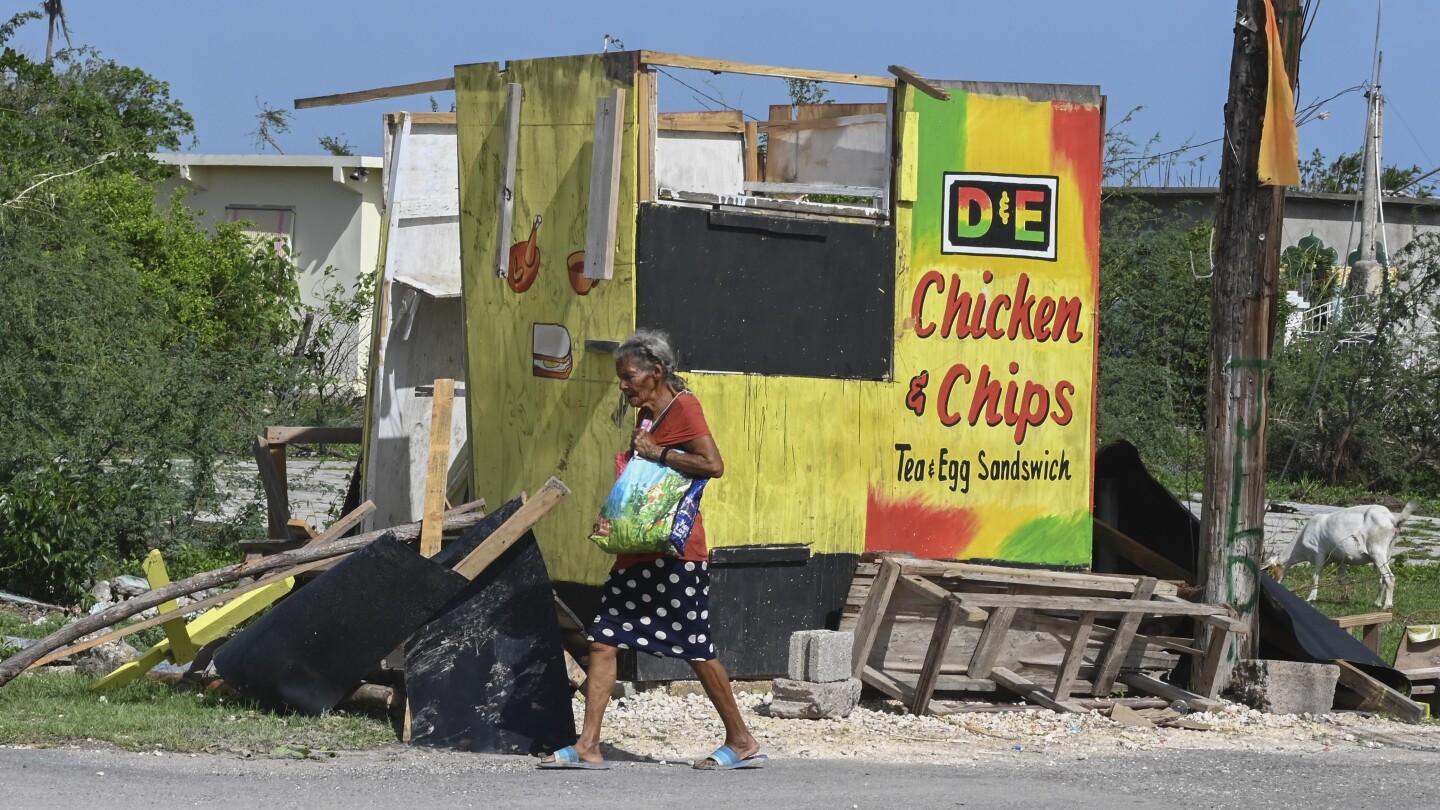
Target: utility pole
1367	275
1242	315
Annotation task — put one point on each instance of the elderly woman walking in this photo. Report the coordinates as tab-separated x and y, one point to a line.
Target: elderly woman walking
655	603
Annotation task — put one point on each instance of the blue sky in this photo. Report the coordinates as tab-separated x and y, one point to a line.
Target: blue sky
1169	57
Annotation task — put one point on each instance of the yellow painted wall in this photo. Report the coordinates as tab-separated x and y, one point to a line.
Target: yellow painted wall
525	428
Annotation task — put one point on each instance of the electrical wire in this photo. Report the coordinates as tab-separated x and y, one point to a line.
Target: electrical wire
697	90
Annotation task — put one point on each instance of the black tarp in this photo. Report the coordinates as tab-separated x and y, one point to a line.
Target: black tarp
487	673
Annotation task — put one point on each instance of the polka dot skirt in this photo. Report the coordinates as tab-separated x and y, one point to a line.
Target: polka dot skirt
661	607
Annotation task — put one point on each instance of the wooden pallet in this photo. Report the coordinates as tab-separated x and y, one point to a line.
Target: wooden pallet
925	627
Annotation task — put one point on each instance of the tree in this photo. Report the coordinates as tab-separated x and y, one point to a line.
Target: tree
55	11
137	347
1343	174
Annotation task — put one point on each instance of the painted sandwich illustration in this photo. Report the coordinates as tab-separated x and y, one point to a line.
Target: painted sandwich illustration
550	347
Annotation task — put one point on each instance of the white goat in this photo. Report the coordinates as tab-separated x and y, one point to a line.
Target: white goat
1356	535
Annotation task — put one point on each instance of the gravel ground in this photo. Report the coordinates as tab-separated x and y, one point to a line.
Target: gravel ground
657	726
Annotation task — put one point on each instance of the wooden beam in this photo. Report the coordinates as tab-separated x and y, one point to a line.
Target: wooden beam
277	499
1376	696
182	648
919	82
535	508
602	216
975	572
992	639
813	188
707	121
1114	655
509	156
331	533
437	472
1149	561
867	624
828	209
724	66
1208	683
313	435
1099	604
1158	688
1371	624
950	610
1033	693
393	91
752	151
645	114
1074	656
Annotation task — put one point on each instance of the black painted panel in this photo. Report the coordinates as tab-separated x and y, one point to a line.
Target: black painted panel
768	294
487	674
753	610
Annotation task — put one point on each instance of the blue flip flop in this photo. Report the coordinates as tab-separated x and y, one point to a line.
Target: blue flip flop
725	759
568	758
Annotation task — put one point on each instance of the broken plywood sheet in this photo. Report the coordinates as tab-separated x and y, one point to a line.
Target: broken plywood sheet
421	334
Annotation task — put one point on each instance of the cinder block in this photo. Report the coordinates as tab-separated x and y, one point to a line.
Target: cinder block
799	654
806	700
1285	687
827	659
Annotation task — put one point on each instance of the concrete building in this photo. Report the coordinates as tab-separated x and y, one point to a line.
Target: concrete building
326	210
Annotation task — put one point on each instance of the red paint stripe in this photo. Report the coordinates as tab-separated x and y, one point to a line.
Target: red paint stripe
1077	135
925	530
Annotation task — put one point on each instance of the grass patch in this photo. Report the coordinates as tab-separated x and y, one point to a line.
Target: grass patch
16	624
1417	596
47	709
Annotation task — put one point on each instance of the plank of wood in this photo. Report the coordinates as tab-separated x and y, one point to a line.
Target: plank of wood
812	188
1158	688
726	200
919	82
992	639
182	648
1215	651
752	152
313	435
1226	619
950	609
708	121
603	213
392	91
277	499
811	124
1371	625
867	625
1032	692
975	572
1074	655
440	118
887	684
725	66
927	588
815	112
646	115
1130	549
1421	674
909	184
1376	696
327	537
535	508
509	157
1120	641
1099	604
437	471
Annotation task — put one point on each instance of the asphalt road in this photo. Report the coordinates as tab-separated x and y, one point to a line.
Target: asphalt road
398	777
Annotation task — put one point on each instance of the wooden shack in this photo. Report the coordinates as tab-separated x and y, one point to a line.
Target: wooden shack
887	309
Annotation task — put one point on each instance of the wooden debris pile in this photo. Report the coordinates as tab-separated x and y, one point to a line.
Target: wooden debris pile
932	634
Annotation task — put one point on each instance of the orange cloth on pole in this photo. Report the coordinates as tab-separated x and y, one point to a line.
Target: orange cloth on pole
1279	142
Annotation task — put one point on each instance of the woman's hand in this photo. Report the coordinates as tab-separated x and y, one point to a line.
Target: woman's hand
644	444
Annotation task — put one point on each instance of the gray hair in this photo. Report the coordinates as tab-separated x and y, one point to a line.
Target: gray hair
651	347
